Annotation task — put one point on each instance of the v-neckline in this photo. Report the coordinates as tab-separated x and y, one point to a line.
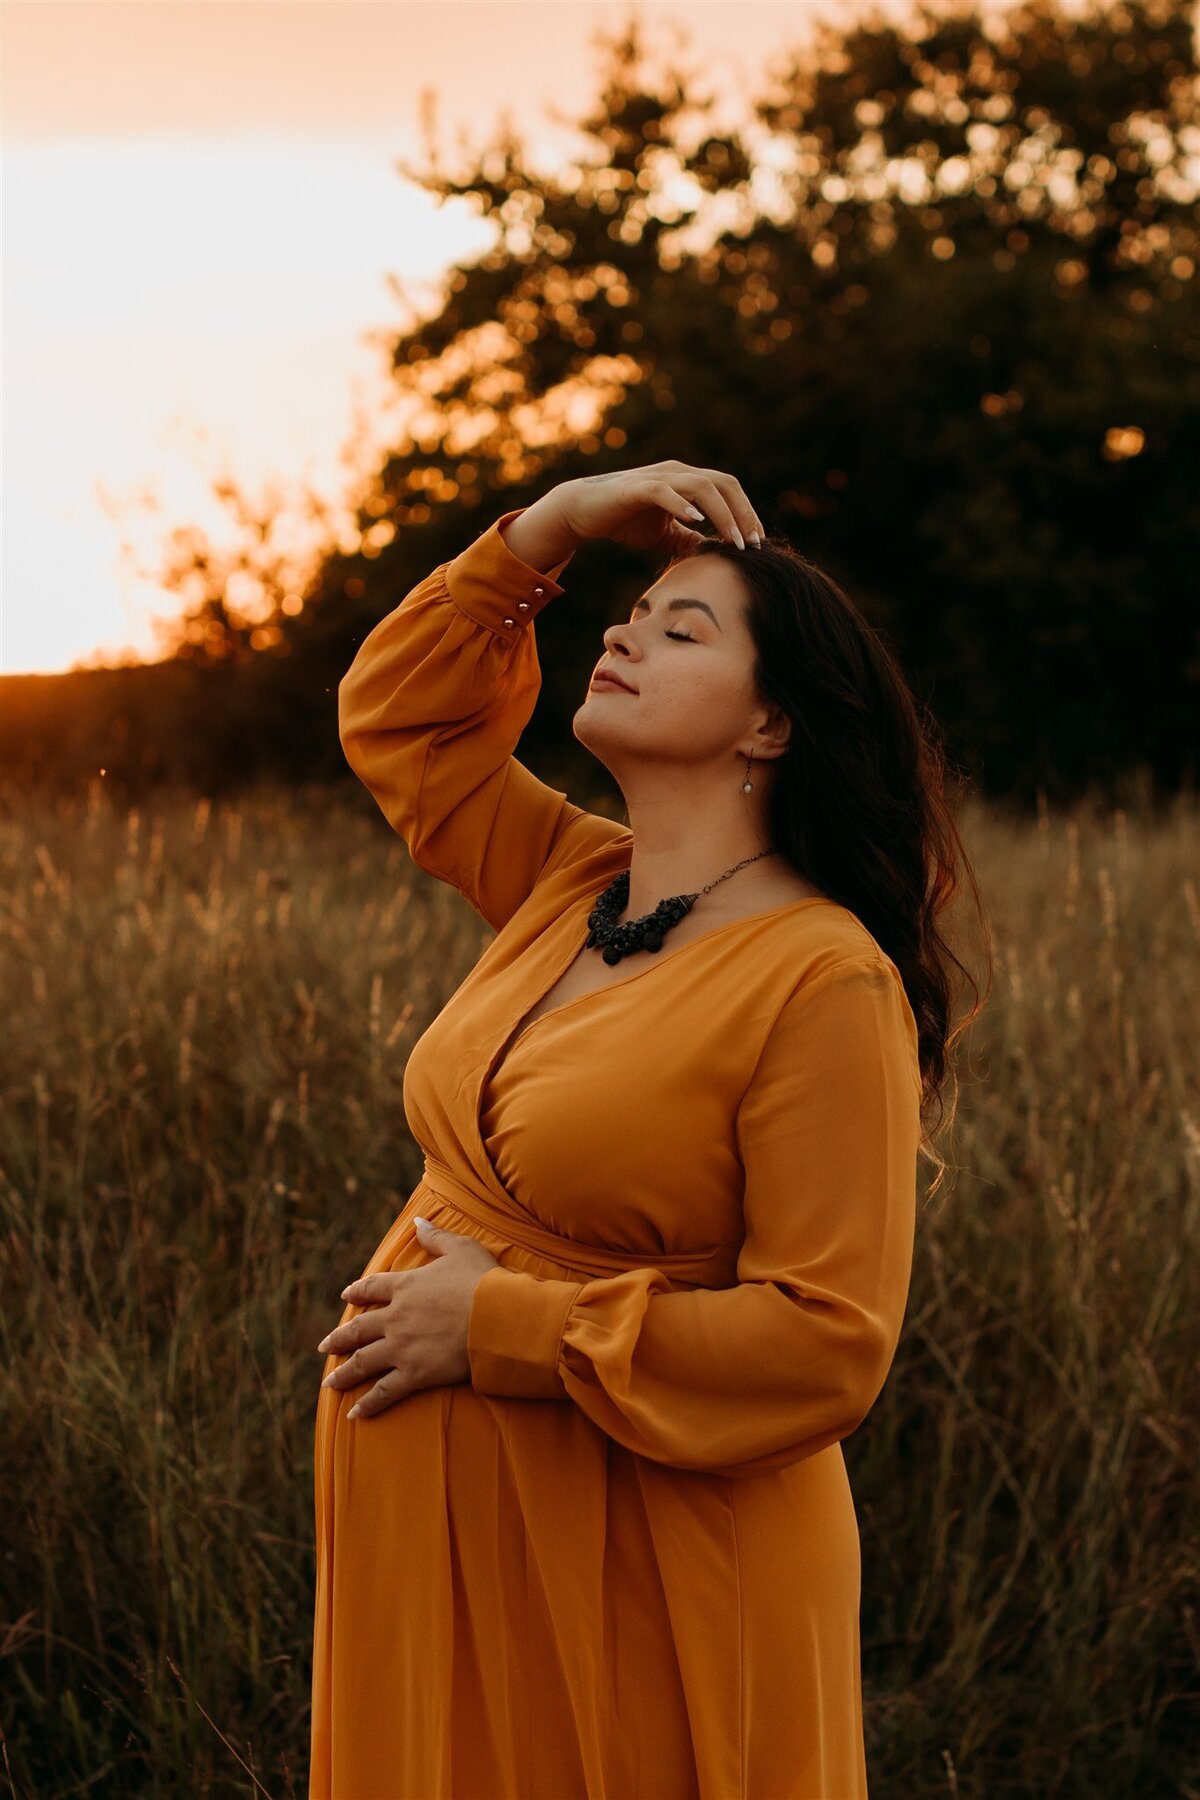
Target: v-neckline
657	962
587	901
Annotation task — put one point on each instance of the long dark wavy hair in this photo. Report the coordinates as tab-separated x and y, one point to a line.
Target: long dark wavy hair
863	799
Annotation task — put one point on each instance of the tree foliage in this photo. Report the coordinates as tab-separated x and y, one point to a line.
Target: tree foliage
933	303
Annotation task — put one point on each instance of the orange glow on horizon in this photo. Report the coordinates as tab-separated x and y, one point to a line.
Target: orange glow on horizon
204	229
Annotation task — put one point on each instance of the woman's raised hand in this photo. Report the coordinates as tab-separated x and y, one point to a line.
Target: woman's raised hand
653	508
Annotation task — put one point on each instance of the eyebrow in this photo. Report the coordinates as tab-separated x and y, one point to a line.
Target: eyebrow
678	605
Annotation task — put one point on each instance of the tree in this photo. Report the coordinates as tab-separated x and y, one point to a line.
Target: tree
934	304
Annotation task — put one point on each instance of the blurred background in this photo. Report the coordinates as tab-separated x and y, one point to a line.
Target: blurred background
298	298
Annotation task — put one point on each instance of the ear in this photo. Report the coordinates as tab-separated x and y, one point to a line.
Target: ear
774	734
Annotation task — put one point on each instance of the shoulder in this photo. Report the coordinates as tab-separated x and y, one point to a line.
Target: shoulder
827	939
840	986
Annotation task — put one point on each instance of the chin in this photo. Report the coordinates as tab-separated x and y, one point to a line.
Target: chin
587	728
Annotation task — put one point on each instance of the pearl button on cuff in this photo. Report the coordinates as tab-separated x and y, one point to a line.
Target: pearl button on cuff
494	588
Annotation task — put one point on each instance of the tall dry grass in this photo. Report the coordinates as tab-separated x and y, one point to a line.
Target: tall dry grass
207	1015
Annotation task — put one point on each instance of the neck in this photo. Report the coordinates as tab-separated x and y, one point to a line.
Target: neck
684	839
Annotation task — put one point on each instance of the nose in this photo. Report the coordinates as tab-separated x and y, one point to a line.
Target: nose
617	635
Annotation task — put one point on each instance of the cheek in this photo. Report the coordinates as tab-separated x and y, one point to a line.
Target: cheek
706	693
694	709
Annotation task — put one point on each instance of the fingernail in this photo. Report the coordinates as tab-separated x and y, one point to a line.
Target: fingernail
322	1343
738	539
755	540
694	512
328	1381
353	1413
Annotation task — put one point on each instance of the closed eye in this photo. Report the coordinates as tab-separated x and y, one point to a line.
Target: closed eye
682	636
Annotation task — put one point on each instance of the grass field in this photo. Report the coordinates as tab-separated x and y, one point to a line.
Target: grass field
207	1014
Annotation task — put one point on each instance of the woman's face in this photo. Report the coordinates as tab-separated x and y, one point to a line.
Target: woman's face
687	654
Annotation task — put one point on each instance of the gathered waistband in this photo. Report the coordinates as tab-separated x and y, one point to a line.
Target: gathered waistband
690	1267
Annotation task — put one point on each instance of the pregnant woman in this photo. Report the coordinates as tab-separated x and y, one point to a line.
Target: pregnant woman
584	1530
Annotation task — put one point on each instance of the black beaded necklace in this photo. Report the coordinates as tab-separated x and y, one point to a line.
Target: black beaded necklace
647	933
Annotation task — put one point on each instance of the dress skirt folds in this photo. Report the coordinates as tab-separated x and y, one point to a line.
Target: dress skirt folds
622	1562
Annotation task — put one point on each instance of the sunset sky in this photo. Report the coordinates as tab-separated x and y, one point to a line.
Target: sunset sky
201	219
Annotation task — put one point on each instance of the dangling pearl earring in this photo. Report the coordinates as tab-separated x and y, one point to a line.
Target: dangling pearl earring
747	785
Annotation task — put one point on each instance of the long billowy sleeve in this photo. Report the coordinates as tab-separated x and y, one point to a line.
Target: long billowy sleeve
742	1380
430	712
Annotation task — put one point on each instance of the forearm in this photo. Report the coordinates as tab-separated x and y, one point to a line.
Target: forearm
540	535
430	714
735	1381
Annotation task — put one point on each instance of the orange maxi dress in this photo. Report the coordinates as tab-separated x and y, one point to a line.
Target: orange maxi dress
622	1562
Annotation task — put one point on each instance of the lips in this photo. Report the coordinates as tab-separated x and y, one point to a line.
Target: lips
606	680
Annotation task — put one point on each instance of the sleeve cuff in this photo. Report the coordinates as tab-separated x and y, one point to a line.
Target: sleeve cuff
514	1333
492	586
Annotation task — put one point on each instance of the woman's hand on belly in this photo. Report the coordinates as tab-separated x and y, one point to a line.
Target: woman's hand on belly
415	1335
